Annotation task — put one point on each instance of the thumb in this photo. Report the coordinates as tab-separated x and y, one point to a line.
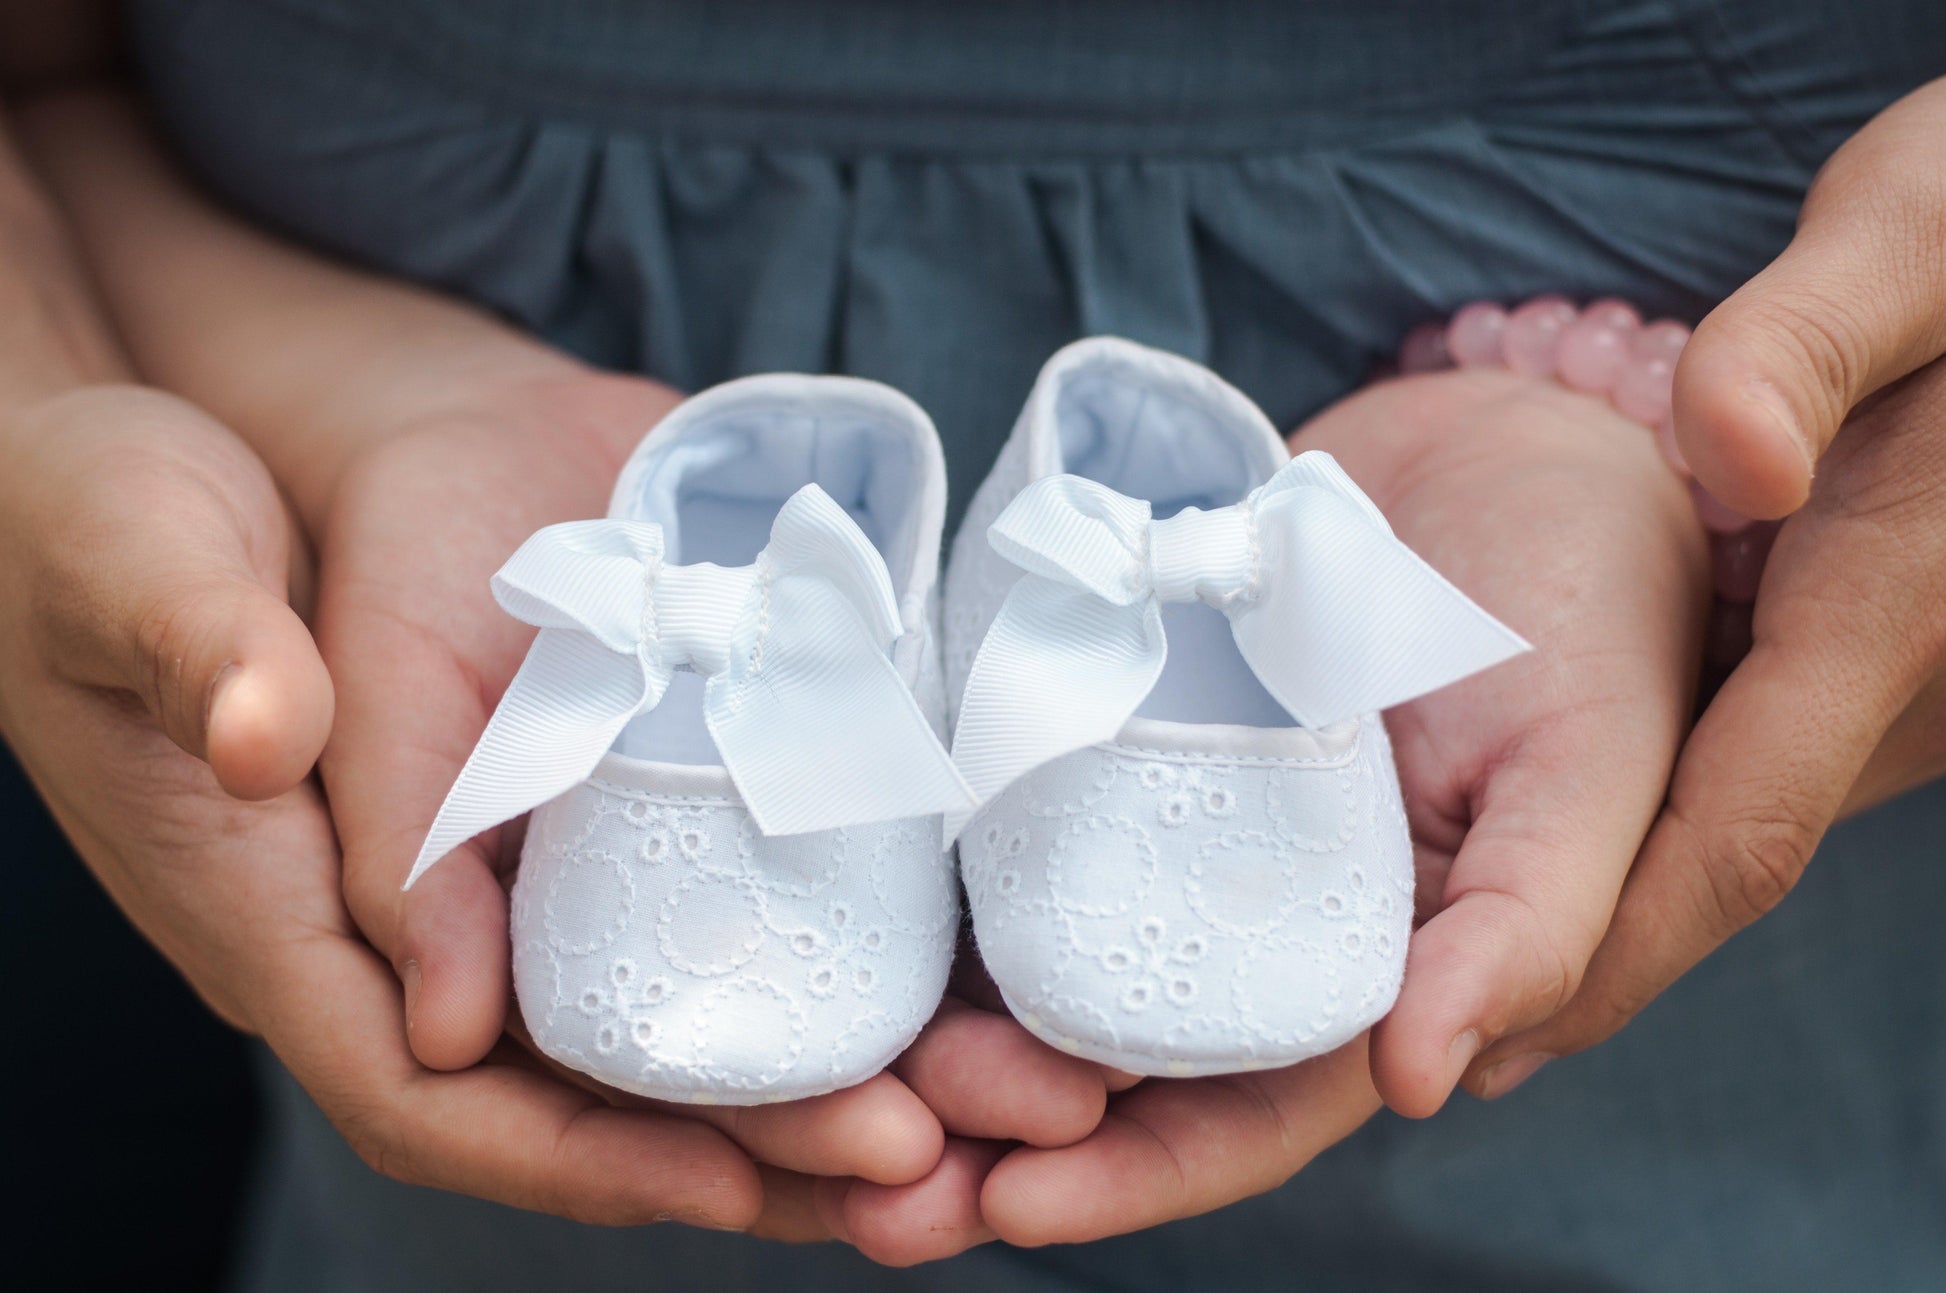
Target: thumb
1851	305
231	674
164	572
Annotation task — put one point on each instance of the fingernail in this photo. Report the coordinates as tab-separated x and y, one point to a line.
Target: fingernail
701	1220
411	975
1765	395
1461	1050
1508	1074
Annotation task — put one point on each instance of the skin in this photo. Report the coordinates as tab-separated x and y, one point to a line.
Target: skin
146	594
1817	390
1529	787
385	406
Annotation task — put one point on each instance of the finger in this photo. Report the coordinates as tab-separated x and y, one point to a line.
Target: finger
1912	752
790	1213
410	708
927	1220
1850	306
1851	626
497	1131
169	583
878	1130
1531	890
450	947
986	1077
1172	1149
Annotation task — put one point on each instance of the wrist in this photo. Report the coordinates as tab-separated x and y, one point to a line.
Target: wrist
52	335
1606	351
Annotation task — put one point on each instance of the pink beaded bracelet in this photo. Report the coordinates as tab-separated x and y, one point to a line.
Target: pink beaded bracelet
1606	350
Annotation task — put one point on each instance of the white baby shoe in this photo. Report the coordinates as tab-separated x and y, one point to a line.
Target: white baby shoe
1192	856
733	888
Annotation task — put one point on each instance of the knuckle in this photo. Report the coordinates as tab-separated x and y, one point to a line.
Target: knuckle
1755	868
1554	971
375	1139
1819	331
1602	1014
1549	967
168	634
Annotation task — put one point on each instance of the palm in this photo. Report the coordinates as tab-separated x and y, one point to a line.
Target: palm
1556	515
421	654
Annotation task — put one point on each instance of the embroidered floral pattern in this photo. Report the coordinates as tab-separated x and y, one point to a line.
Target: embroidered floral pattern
667	948
1187	913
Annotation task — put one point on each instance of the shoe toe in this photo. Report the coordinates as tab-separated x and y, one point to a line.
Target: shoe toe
668	949
1181	917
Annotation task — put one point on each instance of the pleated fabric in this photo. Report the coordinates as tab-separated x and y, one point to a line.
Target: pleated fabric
938	195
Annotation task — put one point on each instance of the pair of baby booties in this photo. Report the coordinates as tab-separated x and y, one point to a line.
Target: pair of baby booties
1166	643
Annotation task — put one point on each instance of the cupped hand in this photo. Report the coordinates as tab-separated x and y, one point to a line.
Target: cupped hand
421	653
1817	390
1529	787
146	570
422	440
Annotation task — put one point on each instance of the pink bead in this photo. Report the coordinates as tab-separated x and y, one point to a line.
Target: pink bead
1619	315
1728	638
1532	337
1737	561
1665	440
1473	337
1642	389
1592	354
1717	518
1663	339
1424	350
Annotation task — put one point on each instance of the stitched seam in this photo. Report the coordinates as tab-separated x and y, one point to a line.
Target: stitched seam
654	797
1247	595
1239	760
651	625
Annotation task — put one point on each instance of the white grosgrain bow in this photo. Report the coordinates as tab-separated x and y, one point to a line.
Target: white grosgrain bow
812	720
1333	614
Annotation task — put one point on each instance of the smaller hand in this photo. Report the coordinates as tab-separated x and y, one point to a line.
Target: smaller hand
1831	357
1529	787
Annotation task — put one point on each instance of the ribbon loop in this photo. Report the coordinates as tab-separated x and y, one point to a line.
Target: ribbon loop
814	724
1332	613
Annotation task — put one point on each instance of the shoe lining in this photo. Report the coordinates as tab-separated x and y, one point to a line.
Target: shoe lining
1136	434
715	493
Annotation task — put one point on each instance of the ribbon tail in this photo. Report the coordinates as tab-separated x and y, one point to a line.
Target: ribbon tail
815	725
1354	621
561	713
1061	669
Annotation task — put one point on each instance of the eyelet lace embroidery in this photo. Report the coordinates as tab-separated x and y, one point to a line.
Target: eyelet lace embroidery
1183	910
664	946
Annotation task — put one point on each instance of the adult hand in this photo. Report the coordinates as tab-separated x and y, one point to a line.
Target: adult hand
144	622
1529	787
423	440
1816	390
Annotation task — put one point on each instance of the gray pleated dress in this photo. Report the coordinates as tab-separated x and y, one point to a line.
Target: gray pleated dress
937	195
